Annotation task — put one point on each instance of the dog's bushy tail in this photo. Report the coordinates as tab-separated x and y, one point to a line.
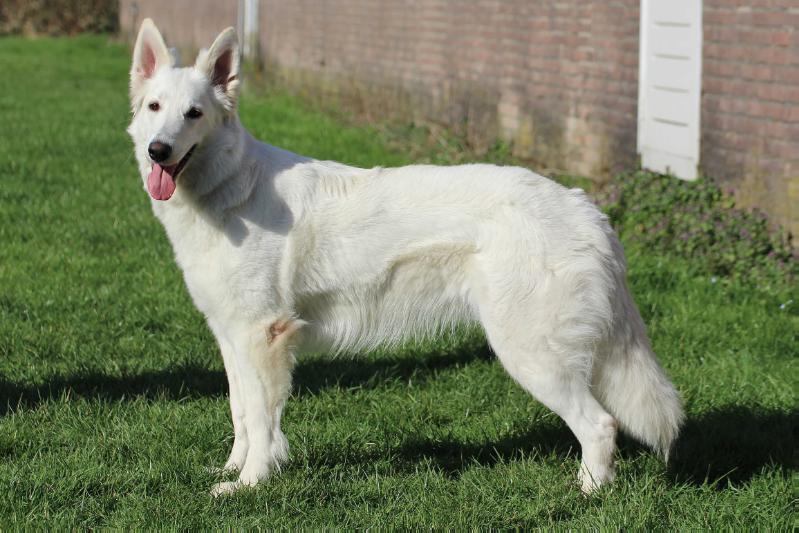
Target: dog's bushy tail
633	387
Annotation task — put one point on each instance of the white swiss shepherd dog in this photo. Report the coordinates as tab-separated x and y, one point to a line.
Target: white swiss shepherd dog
282	253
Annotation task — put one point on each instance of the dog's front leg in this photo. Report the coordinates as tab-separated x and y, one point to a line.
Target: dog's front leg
241	443
263	358
238	453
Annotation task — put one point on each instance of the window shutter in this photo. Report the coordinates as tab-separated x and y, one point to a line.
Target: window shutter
669	86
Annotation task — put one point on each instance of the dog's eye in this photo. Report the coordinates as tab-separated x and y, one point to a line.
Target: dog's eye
193	113
154	106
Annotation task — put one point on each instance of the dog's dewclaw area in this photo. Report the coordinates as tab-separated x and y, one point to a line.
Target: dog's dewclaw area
113	397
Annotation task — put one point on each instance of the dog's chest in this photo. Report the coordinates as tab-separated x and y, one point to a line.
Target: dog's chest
228	271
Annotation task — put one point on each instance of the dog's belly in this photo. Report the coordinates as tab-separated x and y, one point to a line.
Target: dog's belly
412	295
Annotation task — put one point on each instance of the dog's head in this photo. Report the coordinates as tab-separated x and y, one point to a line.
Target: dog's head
176	109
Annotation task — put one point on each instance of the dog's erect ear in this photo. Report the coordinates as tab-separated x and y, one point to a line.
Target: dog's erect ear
221	64
149	55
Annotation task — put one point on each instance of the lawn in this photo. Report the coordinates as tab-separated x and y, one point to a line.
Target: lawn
113	396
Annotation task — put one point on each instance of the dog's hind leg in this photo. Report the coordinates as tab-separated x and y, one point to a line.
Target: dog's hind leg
548	356
264	359
569	397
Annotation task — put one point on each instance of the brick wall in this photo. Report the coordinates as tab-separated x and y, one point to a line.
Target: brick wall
750	103
185	24
557	78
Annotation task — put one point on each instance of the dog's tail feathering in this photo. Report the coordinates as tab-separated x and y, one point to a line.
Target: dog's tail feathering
634	388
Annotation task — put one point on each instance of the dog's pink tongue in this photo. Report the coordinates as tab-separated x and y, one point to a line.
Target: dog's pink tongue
160	182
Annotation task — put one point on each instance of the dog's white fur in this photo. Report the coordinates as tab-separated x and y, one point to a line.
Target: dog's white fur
281	252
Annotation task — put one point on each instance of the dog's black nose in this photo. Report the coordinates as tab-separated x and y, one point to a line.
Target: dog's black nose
159	152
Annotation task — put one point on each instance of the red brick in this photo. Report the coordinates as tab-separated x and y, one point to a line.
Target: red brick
792	113
778	93
755	71
782	149
769	18
783	38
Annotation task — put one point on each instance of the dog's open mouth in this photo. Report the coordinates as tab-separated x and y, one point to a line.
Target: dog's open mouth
161	181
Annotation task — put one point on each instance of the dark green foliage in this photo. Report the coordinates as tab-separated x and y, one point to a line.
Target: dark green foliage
58	17
696	221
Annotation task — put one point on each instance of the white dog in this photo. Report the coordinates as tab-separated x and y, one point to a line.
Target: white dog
282	252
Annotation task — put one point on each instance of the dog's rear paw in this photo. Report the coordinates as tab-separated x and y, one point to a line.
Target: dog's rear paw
591	483
227	487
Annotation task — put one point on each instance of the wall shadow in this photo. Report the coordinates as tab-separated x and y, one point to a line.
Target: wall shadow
454	457
723	447
185	381
311	376
730	445
316	374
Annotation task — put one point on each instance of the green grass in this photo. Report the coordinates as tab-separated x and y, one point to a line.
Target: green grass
113	397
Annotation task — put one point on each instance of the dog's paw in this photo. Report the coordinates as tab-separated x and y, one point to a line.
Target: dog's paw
590	483
225	488
234	465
